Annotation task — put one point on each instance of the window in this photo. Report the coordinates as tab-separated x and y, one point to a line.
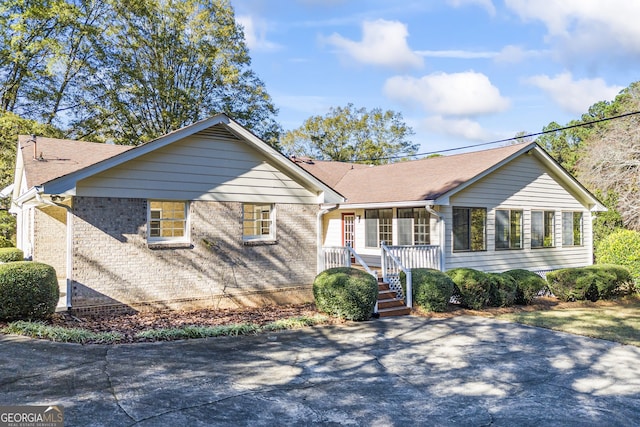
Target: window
413	226
542	229
258	222
469	229
508	229
167	221
571	228
378	224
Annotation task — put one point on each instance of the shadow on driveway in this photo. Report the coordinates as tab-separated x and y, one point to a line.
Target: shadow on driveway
397	371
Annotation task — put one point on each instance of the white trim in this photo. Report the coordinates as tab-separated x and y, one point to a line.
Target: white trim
380	205
186	238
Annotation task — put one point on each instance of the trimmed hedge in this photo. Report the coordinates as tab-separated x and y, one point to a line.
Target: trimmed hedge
28	290
528	283
502	290
588	283
432	289
622	247
346	292
11	255
473	287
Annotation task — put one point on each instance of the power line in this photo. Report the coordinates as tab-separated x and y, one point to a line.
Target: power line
506	139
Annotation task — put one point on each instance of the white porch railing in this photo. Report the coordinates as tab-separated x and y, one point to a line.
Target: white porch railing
422	256
391	268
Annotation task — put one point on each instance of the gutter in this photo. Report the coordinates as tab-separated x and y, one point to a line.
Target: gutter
69	244
441	228
319	230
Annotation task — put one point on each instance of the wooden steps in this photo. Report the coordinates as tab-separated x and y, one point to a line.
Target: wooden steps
388	302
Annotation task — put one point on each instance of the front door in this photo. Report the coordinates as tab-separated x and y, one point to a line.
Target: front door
349	230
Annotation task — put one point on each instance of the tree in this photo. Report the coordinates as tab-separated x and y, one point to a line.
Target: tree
167	64
30	36
350	134
565	145
128	71
611	165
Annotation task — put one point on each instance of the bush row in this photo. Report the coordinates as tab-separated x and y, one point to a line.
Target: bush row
11	255
351	293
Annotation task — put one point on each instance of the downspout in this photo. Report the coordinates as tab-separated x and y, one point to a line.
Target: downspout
319	230
69	243
441	229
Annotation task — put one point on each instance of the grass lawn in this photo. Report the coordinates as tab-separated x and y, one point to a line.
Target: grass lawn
610	320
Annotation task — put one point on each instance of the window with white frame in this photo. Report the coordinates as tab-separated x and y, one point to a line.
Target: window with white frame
542	229
378	227
508	229
469	229
413	226
167	221
571	228
258	221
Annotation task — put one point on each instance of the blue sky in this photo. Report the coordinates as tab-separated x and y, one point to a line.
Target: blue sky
461	72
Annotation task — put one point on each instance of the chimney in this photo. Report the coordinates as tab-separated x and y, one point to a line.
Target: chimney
35	146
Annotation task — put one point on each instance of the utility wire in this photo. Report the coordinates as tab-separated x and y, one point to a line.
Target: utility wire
506	139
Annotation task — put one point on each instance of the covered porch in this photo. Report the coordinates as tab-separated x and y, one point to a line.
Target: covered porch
386	268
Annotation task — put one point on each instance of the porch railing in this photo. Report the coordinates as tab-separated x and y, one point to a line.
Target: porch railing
422	256
391	268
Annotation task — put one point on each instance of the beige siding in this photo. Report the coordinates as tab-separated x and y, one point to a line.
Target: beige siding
205	166
522	184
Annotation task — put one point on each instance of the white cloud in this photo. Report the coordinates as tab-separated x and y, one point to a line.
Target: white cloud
255	33
486	4
583	27
575	96
458	94
512	54
465	128
457	54
383	43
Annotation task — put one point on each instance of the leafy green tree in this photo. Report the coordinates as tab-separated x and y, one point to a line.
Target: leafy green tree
30	36
350	134
167	64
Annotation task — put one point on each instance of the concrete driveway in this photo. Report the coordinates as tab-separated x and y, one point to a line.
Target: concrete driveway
398	371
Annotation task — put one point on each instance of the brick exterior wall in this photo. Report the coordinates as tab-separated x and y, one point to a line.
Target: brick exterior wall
114	268
50	238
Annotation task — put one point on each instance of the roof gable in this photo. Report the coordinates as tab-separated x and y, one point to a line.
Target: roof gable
65	183
436	179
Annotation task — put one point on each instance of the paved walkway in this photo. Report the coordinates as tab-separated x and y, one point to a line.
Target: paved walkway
403	371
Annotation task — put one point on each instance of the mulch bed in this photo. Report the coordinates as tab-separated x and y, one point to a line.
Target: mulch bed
130	324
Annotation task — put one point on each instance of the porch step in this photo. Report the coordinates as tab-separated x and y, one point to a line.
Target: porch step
388	302
394	311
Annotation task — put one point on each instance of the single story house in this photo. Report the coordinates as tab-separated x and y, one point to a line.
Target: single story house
206	216
211	216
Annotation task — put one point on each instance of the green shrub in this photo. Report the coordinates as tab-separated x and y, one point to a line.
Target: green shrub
588	283
502	290
11	255
473	287
621	247
346	292
528	285
5	243
432	289
28	290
